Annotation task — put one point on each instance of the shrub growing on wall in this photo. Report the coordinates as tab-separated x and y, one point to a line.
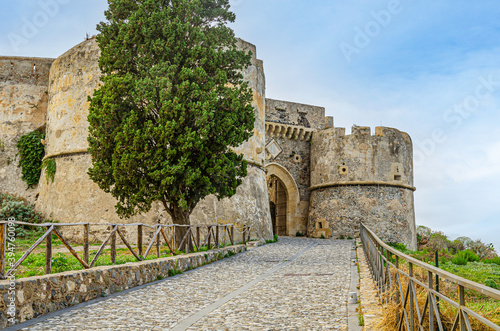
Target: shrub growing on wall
31	152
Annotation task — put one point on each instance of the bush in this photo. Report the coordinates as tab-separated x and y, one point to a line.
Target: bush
439	242
469	255
459	260
491	283
495	260
485	251
423	234
20	210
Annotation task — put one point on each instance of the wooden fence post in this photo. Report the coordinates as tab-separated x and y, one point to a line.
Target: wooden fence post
411	298
139	239
3	237
158	253
188	239
209	227
48	252
217	236
232	234
86	231
198	237
113	246
173	239
431	306
461	293
244	230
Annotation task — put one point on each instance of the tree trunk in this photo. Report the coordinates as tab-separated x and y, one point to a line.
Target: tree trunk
181	217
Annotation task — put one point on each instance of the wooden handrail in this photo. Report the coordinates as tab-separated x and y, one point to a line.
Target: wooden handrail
52	228
406	297
495	294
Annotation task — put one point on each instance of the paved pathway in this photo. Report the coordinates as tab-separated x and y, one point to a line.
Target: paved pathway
295	284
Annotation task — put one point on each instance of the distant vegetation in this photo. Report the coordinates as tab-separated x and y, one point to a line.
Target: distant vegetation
467	258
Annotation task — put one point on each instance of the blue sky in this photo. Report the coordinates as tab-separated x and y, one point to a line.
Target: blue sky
431	69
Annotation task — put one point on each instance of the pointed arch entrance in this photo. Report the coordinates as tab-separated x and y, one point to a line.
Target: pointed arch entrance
283	199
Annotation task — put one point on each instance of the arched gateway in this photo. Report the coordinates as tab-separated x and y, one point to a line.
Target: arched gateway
283	199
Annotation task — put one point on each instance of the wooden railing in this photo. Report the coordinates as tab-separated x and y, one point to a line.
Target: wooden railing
381	257
195	236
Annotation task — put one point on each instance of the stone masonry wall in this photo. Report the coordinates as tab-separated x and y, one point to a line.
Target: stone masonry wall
386	210
36	296
23	107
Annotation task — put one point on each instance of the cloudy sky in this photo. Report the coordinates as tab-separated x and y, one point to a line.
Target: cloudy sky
430	68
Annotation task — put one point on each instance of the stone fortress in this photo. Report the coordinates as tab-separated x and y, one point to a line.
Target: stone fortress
304	176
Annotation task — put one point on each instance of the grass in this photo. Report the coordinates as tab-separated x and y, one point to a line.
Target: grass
275	240
465	264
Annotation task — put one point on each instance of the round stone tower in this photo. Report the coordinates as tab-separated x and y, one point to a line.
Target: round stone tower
362	178
73	197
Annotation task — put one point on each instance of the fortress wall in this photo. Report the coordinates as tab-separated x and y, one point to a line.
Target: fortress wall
363	178
23	107
73	197
298	114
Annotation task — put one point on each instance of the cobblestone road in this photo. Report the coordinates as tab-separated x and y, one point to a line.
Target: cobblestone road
295	284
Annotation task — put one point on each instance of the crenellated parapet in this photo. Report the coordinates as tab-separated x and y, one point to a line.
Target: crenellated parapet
292	132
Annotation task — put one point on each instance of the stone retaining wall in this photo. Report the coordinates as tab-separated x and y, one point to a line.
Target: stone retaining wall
41	295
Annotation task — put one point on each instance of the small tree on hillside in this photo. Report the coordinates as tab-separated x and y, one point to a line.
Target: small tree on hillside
172	105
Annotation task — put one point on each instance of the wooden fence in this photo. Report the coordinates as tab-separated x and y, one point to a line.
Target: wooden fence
410	317
209	236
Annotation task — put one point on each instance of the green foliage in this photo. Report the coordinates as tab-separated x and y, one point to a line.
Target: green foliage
459	260
495	260
172	107
469	255
484	250
400	247
59	263
342	237
31	152
424	233
20	210
323	237
491	283
438	241
50	169
274	240
299	234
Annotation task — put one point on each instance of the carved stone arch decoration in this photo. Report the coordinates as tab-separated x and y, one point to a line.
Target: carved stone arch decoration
292	190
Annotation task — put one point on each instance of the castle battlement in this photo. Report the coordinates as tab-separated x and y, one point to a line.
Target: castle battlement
364	131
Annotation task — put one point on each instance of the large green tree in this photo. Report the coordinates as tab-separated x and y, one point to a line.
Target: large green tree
172	105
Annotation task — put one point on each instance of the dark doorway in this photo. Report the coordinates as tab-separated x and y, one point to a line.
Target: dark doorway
278	204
